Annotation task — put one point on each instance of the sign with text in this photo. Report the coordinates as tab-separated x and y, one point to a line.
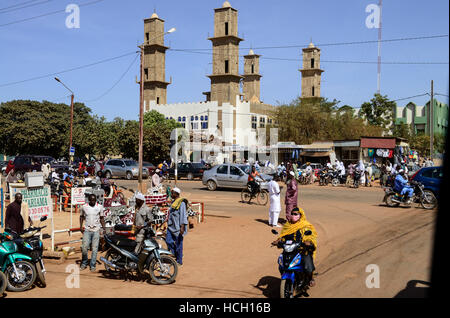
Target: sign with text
78	196
38	199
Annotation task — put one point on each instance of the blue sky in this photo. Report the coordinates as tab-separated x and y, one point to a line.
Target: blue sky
112	28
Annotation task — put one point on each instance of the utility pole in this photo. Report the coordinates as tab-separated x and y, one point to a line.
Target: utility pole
71	116
141	109
431	121
379	49
141	119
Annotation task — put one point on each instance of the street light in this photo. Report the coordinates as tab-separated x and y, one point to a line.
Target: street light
141	107
71	116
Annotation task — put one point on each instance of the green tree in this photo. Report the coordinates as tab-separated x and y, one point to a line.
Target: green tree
379	111
402	130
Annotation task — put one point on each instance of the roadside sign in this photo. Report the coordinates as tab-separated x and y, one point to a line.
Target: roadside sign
78	196
38	199
72	151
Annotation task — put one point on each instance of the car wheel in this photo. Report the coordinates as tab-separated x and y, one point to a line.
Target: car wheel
190	176
212	186
129	175
108	175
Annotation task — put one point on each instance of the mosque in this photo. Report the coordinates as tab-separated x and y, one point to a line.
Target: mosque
234	118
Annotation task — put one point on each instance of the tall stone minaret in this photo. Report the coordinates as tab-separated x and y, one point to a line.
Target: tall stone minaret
252	78
225	77
155	85
311	72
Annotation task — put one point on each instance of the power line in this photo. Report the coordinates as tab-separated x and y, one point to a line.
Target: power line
68	70
24	7
441	94
322	61
396	100
115	84
16	5
49	13
332	44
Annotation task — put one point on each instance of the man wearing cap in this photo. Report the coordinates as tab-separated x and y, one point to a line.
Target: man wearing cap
156	180
142	217
177	225
401	185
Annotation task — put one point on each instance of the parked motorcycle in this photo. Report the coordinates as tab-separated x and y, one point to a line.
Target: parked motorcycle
325	177
356	179
19	271
294	280
120	257
2	283
30	244
338	179
425	197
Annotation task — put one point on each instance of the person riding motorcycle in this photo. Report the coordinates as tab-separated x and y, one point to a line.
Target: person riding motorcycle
309	172
401	185
298	229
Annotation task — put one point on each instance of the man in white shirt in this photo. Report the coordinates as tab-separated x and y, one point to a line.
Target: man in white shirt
275	203
93	215
156	180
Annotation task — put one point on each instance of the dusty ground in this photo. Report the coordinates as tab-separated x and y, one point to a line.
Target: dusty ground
229	255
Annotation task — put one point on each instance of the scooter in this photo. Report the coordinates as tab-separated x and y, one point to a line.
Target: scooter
294	280
120	258
337	178
29	243
19	271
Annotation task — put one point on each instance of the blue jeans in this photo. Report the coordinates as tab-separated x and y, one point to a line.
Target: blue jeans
175	245
90	239
407	190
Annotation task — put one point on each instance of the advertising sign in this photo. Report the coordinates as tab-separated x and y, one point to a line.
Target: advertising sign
38	199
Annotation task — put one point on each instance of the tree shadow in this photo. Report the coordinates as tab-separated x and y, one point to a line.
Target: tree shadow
412	291
270	286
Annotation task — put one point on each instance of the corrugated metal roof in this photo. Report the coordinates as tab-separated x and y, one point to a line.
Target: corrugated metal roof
384	143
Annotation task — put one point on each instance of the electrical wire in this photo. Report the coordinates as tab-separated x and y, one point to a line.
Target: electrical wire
396	100
49	13
331	44
24	7
114	85
68	70
18	4
322	61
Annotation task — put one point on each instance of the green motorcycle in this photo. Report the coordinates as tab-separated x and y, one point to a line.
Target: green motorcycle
19	271
2	283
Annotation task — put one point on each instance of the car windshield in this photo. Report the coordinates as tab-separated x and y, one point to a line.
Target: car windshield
130	163
245	168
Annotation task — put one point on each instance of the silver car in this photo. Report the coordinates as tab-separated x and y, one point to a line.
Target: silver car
230	176
123	168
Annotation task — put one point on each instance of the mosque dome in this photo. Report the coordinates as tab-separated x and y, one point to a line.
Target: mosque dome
154	15
251	52
311	45
226	4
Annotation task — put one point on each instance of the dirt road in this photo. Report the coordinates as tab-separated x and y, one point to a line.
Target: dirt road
229	255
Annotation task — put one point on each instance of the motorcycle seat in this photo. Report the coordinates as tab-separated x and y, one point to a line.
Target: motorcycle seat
123	242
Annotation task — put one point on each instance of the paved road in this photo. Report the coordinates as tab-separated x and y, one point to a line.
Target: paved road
230	255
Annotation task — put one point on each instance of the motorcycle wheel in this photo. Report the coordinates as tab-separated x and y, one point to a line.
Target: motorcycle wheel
286	289
164	275
40	279
113	257
3	283
27	273
391	203
245	195
335	182
263	197
428	200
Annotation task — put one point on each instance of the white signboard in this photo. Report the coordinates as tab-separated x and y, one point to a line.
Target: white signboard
78	196
38	199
